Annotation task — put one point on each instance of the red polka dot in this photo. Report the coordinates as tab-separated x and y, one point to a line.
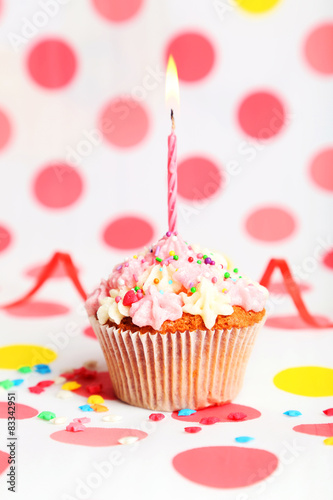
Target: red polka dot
280	288
124	122
221	412
225	466
21	411
198	178
116	11
270	224
293	322
194	55
58	186
315	429
5	129
328	259
321	169
318	49
96	436
37	309
59	272
3	461
261	115
127	233
5	238
52	63
89	332
102	379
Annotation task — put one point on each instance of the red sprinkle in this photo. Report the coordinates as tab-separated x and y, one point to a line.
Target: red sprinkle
129	298
35	389
328	412
192	430
238	415
190	259
45	383
94	388
209	420
156	416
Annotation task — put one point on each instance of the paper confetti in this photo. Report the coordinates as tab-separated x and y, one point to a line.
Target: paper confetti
243	439
328	412
156	416
70	386
292	413
86	408
41	368
95	399
192	430
186	412
75	427
46	415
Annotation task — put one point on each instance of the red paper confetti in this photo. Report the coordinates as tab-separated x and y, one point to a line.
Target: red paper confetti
156	416
237	416
94	388
45	383
192	430
328	412
209	420
36	390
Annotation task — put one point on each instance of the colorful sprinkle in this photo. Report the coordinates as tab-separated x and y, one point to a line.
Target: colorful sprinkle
158	259
328	412
193	289
75	427
135	256
156	417
214	279
238	415
121	282
199	255
212	263
25	369
35	389
129	298
95	399
170	282
168	234
117	299
99	408
190	259
86	408
205	256
185	412
46	415
292	413
224	290
156	281
119	267
236	270
94	388
70	386
328	441
157	251
6	384
192	430
243	439
198	261
136	288
41	368
161	291
208	260
209	420
45	383
227	275
172	253
175	257
18	381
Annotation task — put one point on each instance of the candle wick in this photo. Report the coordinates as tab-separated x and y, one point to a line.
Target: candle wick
173	126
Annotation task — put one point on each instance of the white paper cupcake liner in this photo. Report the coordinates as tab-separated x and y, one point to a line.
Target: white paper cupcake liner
170	371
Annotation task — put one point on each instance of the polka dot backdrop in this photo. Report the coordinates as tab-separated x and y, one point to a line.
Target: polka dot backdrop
83	153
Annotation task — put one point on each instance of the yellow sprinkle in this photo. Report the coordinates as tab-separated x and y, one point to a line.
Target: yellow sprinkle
172	253
95	399
99	408
70	386
135	256
329	441
224	290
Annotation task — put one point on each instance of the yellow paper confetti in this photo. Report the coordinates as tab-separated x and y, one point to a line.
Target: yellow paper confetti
70	386
99	408
329	441
95	399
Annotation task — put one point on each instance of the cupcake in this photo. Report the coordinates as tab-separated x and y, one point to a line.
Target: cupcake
176	326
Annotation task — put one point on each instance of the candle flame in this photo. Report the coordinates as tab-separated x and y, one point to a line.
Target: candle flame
171	84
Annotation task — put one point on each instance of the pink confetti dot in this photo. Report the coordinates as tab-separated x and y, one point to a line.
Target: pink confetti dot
221	412
280	288
128	232
318	49
261	115
270	224
59	272
321	169
5	238
5	129
315	429
225	466
124	122
37	309
194	55
328	259
198	178
117	11
21	411
52	63
3	461
293	322
89	332
96	436
58	186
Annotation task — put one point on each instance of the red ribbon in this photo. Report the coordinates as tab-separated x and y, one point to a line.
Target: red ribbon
292	289
71	272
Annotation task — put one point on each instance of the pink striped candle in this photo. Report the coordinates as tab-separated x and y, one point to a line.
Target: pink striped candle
172	177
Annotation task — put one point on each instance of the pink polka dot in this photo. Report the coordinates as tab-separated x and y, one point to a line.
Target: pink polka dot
52	63
59	272
5	129
3	461
328	259
37	309
280	288
96	436
5	238
293	322
102	379
315	429
198	178
225	466
116	11
58	186
270	224
194	55
21	411
124	122
261	115
318	49
321	169
221	412
89	332
128	232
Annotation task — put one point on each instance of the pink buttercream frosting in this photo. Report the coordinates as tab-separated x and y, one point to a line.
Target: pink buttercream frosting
160	273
